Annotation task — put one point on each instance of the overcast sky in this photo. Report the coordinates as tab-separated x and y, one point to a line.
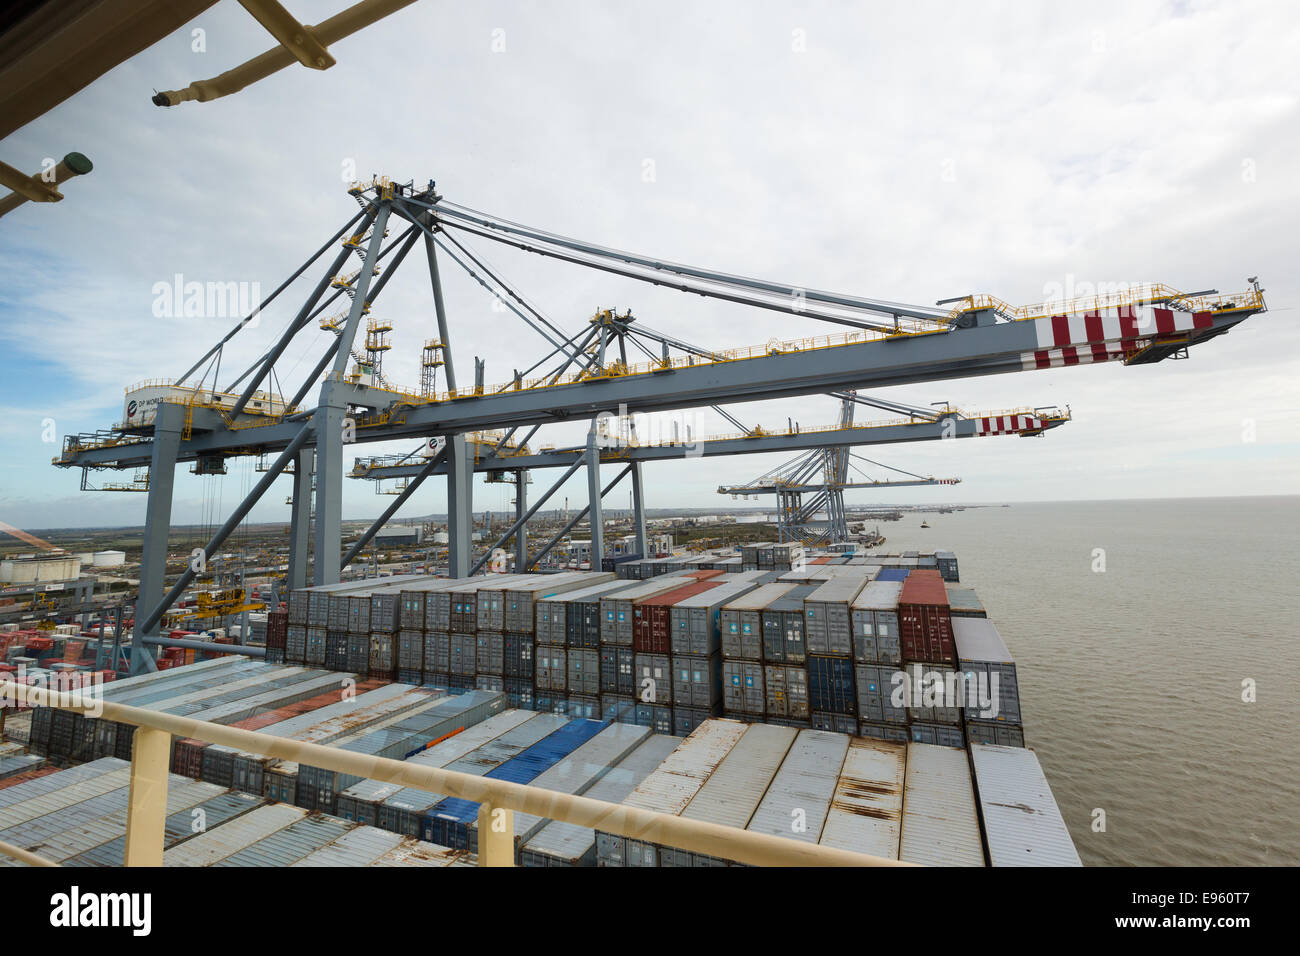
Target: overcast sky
905	151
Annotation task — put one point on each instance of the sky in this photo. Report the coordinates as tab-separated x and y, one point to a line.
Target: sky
914	152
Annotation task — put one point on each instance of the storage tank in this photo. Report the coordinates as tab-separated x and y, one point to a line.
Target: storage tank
109	559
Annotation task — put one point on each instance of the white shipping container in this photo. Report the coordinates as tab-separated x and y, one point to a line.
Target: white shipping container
672	787
732	793
940	823
229	838
866	811
799	798
1022	822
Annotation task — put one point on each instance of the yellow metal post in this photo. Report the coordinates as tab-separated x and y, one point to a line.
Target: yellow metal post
147	808
496	835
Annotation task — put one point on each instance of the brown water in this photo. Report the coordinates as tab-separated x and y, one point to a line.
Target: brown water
1131	679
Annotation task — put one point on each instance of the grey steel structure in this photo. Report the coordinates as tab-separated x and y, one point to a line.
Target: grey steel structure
790	481
886	343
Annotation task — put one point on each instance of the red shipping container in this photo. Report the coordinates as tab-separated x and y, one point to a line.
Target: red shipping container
651	618
924	619
703	574
277	629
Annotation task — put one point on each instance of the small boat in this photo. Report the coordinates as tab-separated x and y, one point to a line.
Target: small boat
925	524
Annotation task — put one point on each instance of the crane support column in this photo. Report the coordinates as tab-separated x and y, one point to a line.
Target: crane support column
595	511
300	518
330	421
521	535
638	510
169	422
460	504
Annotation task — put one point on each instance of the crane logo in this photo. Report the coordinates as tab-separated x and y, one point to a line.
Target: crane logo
131	408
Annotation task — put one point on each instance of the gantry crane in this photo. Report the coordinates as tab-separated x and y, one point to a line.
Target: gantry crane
882	343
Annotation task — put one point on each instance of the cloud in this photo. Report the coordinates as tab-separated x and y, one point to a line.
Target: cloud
914	152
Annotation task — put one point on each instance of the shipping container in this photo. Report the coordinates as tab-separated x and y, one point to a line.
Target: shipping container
831	685
654	679
552	669
616	609
518	654
697	681
474	751
694	620
877	701
878	731
785	689
828	622
925	623
617	670
782	621
670	789
742	688
732	792
962	601
875	624
867	807
741	622
566	844
620	707
658	717
651	617
799	797
451	822
991	732
583	672
1022	823
943	735
574	618
983	658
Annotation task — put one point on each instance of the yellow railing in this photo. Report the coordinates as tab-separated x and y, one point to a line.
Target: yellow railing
1135	295
498	799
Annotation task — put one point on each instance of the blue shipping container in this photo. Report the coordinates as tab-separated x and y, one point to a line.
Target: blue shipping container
448	822
831	685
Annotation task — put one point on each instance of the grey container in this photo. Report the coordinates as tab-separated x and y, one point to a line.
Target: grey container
215	845
616	609
686	719
741	622
785	691
574	774
319	788
742	688
697	681
983	657
874	615
1022	823
783	626
867	808
963	602
491	653
654	679
463	653
991	732
936	683
567	844
670	789
362	801
733	791
878	731
875	687
694	620
520	597
583	671
943	735
796	804
437	652
940	826
828	621
551	669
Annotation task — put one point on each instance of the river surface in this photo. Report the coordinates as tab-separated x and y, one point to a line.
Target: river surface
1132	677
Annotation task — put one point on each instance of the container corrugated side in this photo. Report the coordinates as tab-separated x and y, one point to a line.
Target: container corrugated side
286	846
940	823
567	844
799	797
733	791
179	827
1022	823
671	788
867	807
359	847
580	770
213	846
